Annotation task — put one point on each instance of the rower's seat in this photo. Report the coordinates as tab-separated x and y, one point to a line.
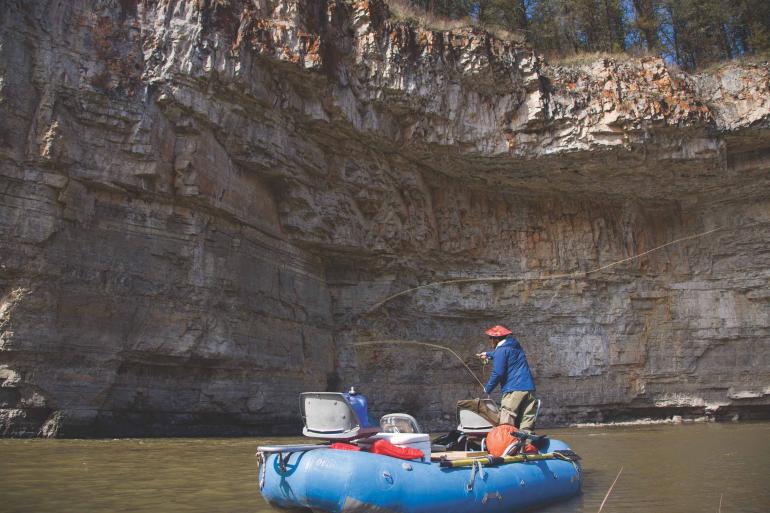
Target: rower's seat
471	423
330	416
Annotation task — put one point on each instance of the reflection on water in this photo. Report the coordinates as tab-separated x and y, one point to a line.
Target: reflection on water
666	469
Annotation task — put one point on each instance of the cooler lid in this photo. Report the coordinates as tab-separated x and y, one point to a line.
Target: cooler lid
403	438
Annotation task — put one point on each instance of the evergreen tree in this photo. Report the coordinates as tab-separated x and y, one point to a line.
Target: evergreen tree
692	33
508	14
647	22
751	26
552	26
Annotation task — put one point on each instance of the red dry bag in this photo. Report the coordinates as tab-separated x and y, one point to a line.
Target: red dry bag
386	448
344	447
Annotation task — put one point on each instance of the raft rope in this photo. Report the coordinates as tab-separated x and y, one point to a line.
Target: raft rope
575	274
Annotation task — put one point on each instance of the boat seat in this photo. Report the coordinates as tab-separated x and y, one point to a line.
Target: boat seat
471	423
329	416
399	423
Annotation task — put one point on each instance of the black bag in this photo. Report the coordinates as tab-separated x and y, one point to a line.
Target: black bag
457	441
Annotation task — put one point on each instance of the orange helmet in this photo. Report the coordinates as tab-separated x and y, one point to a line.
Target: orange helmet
498	331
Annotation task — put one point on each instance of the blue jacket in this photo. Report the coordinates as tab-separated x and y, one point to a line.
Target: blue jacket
509	368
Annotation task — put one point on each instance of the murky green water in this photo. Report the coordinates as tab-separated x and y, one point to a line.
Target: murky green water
666	469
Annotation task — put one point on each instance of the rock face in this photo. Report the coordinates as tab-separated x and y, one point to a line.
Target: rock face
204	203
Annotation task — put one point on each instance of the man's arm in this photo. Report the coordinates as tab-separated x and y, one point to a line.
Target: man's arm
498	370
486	355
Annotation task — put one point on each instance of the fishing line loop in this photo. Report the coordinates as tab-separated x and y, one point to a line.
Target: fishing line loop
573	275
418	343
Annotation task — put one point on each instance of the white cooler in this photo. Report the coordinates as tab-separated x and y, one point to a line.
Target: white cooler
419	441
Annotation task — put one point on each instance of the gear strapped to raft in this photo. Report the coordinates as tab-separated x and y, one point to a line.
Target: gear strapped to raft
564	454
525	440
506	444
506	440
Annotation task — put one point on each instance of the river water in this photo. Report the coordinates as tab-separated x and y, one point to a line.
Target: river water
666	469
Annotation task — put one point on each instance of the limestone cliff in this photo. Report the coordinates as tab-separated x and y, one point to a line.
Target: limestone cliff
202	200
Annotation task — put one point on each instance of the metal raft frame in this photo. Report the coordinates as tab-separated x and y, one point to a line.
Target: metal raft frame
283	453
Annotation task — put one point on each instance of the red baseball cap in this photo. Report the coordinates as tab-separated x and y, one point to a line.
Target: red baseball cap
498	331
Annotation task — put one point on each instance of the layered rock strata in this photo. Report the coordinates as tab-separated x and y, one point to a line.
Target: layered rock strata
204	203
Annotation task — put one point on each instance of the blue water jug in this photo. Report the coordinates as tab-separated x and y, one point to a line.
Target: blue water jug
360	406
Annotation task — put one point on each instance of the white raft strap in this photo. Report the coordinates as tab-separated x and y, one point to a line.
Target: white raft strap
476	469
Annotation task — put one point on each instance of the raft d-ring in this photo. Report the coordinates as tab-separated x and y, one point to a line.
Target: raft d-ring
387	476
488	496
522	483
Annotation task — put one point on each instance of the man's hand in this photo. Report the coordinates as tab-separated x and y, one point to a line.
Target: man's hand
483	356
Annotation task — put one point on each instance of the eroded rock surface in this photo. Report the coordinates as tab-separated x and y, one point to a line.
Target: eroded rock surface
203	201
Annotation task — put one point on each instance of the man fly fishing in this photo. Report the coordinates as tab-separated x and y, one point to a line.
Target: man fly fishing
511	371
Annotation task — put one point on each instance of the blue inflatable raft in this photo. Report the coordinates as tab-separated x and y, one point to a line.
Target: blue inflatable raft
323	479
336	481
